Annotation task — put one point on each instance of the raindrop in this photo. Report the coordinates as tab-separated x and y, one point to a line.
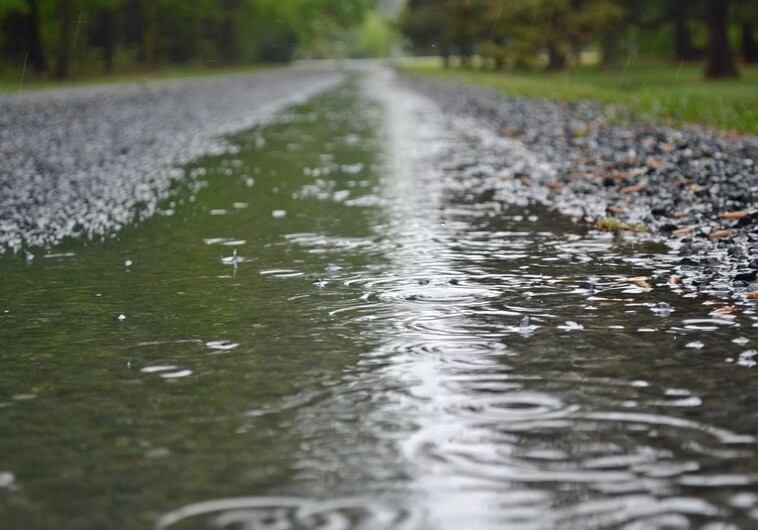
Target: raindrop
747	358
7	480
231	260
570	325
662	309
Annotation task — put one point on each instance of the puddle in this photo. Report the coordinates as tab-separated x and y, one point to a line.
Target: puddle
357	321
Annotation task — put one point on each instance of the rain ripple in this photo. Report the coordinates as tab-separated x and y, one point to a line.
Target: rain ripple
292	513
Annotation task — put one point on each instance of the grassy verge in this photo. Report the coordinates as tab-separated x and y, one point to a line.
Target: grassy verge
672	94
36	83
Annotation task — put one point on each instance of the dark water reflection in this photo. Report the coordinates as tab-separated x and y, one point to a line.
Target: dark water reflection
362	360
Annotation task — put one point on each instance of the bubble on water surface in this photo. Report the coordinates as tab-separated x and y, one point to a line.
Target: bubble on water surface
278	214
662	309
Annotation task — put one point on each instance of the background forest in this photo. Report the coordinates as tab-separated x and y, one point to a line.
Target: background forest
553	33
75	38
64	38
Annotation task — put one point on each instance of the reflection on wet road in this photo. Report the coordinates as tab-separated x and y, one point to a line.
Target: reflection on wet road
360	321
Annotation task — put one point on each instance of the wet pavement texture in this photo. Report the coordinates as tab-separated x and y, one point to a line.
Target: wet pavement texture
357	317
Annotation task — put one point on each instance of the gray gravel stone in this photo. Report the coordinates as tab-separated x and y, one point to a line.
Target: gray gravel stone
88	161
679	183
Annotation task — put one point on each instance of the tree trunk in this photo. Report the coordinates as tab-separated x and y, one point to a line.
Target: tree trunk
33	43
21	41
609	42
720	59
108	38
132	13
685	51
749	44
150	35
556	59
63	55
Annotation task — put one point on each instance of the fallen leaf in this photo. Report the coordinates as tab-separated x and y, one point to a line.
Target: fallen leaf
555	185
654	163
674	280
739	214
525	181
716	234
753	295
680	214
683	231
615	210
633	189
641	282
727	310
696	187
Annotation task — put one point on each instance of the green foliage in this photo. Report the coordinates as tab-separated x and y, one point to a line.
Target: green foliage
377	36
81	37
520	34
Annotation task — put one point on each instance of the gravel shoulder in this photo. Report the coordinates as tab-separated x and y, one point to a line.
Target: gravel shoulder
692	189
88	161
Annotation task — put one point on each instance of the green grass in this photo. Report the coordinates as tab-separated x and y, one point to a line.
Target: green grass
666	93
37	83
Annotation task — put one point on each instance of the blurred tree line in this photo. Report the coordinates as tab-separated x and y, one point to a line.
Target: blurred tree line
525	33
65	37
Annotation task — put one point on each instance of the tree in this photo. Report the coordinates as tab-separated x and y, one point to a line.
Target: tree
720	58
20	25
423	22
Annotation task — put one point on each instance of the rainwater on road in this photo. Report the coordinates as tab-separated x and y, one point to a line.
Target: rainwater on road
350	321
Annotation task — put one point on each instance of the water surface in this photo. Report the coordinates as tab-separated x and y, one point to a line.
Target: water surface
326	328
